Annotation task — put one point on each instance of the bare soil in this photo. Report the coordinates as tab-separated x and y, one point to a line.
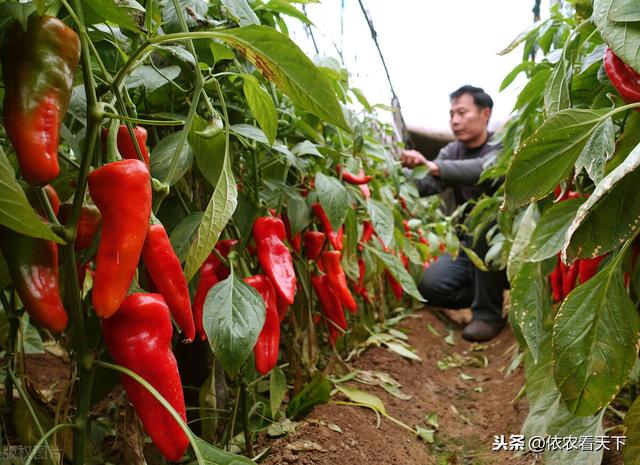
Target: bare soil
473	402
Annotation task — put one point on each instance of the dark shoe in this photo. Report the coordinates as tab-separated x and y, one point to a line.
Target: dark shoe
482	330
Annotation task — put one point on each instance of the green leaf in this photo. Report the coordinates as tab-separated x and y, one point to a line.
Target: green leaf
382	220
548	237
548	155
240	11
233	316
286	8
317	391
631	452
333	197
121	13
475	259
530	305
563	425
614	203
277	389
15	211
595	341
599	148
624	11
364	398
306	148
622	37
151	78
193	10
209	151
299	215
261	106
427	435
533	91
520	246
182	235
20	12
556	92
211	455
221	206
396	268
281	61
162	154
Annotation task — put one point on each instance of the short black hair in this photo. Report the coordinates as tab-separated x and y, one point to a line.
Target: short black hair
480	97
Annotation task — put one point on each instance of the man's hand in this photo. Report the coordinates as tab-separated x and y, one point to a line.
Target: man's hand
413	158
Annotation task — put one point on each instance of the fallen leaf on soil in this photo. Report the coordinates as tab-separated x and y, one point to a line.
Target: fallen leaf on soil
305	446
427	435
364	398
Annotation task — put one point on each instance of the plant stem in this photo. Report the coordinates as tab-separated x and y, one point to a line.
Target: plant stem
244	399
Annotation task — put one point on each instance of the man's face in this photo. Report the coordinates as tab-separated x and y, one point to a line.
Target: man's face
467	121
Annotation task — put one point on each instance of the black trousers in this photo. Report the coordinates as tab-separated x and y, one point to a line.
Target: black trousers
459	284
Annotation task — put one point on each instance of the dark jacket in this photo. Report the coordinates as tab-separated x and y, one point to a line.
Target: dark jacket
460	169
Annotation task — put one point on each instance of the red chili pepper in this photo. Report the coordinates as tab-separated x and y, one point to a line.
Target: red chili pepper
122	192
331	306
33	267
38	66
623	77
313	243
396	288
335	239
556	282
363	270
588	267
138	337
165	270
569	276
338	280
367	232
126	147
89	223
267	346
211	272
351	178
274	257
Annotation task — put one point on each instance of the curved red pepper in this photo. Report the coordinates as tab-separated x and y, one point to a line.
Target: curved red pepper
274	256
556	282
351	178
38	67
138	337
165	270
330	305
623	77
267	346
313	243
338	280
569	276
211	271
335	239
367	233
122	192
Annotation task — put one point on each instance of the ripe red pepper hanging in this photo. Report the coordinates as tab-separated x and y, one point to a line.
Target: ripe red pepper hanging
33	267
274	257
211	272
351	178
569	276
165	270
268	344
122	192
335	239
338	280
138	337
623	77
313	243
38	66
556	282
330	305
588	267
89	223
396	288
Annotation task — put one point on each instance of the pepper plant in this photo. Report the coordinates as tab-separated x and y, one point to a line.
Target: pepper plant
259	189
567	228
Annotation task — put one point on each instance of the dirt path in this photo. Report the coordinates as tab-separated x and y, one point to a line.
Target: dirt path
469	387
